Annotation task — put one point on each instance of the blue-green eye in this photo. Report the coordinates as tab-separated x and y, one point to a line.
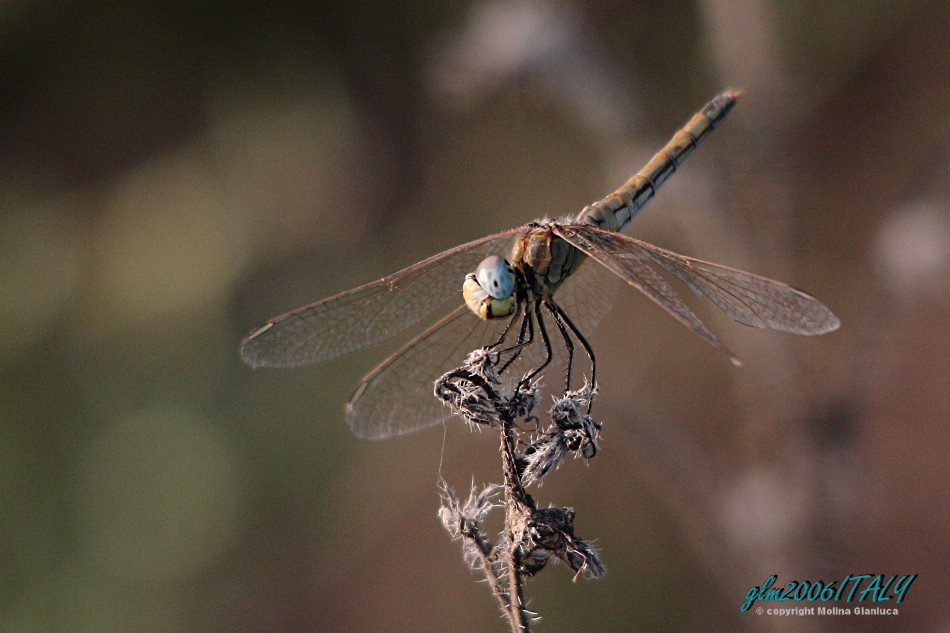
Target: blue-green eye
494	276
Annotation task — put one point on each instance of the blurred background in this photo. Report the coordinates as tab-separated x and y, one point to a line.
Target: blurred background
174	173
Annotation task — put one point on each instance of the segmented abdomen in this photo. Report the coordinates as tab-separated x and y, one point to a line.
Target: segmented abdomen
616	210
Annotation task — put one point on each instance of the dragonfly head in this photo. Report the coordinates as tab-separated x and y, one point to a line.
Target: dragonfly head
489	291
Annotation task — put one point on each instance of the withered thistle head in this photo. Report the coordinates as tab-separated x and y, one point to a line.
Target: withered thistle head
550	532
572	431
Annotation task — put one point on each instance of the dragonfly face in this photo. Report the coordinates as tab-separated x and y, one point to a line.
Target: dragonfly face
489	292
542	261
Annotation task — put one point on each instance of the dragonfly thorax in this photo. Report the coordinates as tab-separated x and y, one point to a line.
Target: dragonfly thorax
489	292
549	258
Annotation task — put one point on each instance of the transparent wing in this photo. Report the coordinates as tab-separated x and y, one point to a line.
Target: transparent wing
747	298
370	313
397	396
628	262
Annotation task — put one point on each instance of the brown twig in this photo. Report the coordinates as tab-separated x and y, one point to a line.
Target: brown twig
531	537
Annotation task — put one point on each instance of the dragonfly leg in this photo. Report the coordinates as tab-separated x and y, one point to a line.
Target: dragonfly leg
583	341
527	328
547	347
557	315
504	334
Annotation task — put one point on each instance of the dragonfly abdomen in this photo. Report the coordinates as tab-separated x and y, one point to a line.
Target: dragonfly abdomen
614	212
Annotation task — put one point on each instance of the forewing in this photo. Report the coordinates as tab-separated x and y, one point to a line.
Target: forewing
625	257
747	298
370	313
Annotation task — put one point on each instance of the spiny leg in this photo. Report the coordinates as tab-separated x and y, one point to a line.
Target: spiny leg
504	334
568	343
522	343
583	341
547	347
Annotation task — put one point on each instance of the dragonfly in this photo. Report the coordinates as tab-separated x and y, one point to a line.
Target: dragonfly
532	295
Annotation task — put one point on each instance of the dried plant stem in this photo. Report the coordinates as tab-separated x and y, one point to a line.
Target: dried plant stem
484	551
518	505
531	537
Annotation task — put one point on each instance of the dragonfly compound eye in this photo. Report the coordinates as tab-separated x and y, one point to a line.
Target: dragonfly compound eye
494	276
489	291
